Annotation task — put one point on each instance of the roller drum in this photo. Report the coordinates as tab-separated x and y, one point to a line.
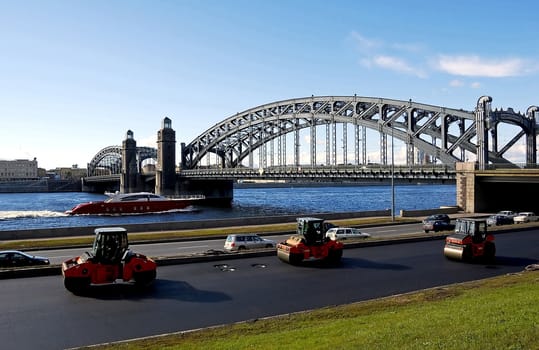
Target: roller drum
283	255
454	252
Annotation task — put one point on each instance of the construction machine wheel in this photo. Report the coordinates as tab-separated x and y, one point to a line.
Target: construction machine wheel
144	278
334	256
467	253
490	251
76	285
296	259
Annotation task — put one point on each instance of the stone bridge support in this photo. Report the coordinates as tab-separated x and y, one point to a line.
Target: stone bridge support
492	190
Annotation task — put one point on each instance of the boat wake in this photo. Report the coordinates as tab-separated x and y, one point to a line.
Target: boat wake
9	215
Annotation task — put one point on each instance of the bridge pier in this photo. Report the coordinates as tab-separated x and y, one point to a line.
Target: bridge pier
489	191
130	176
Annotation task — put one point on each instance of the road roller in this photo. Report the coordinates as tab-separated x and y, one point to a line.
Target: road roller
109	260
310	243
470	241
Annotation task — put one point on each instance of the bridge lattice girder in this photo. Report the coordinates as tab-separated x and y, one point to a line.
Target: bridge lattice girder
439	131
109	159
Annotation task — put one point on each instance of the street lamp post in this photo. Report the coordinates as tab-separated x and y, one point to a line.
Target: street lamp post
392	177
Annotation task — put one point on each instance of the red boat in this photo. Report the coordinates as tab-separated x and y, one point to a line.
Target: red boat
135	203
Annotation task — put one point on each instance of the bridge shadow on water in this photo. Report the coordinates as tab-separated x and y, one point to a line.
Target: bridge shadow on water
161	289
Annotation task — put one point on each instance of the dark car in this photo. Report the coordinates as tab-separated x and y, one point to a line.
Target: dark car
437	225
497	219
437	222
438	217
15	258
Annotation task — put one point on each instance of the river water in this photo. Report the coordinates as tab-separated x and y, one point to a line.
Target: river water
20	211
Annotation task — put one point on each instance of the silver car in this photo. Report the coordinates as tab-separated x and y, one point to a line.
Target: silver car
243	241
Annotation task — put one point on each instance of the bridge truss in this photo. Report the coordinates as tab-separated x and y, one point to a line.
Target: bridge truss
108	161
438	134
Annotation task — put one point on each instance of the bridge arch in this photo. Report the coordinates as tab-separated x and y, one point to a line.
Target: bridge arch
108	161
445	134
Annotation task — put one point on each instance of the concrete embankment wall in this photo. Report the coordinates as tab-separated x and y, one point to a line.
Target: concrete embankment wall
183	225
427	212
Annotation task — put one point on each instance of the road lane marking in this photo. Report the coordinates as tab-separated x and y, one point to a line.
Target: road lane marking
382	231
193	246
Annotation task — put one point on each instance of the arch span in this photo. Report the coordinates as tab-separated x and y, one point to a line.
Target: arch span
108	161
445	134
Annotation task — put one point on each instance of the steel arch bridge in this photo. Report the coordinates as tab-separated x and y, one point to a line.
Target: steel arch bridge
445	134
108	161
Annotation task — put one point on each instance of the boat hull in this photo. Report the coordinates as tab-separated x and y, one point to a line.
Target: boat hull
131	208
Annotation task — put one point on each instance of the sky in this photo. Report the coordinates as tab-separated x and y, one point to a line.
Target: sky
75	76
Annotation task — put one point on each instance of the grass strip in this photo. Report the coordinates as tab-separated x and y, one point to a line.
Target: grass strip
495	313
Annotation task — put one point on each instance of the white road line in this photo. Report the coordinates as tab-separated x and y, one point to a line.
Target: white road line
382	231
193	246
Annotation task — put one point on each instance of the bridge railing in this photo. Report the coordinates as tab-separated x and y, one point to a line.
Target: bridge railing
327	172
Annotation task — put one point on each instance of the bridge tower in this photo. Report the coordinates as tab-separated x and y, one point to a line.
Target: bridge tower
130	174
165	177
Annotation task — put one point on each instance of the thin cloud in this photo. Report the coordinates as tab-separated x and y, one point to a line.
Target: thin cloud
456	83
475	66
398	65
405	59
373	55
365	45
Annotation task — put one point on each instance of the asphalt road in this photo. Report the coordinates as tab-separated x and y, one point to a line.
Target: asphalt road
57	256
39	313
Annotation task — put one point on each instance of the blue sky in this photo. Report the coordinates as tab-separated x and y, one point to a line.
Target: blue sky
76	75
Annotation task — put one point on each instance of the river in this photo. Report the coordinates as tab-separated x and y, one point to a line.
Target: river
47	210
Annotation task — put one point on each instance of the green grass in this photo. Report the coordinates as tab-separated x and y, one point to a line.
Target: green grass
496	313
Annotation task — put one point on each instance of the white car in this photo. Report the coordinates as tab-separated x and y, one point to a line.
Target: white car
243	241
340	233
526	216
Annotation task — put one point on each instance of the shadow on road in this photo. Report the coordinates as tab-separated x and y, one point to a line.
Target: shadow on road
160	289
353	263
513	261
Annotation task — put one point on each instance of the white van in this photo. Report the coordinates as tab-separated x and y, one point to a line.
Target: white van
341	233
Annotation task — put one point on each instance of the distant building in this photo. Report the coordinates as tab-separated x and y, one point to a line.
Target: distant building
19	169
73	173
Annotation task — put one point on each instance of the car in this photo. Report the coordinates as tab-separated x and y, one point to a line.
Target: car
438	217
437	222
525	216
244	241
508	213
341	233
437	225
15	258
498	219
